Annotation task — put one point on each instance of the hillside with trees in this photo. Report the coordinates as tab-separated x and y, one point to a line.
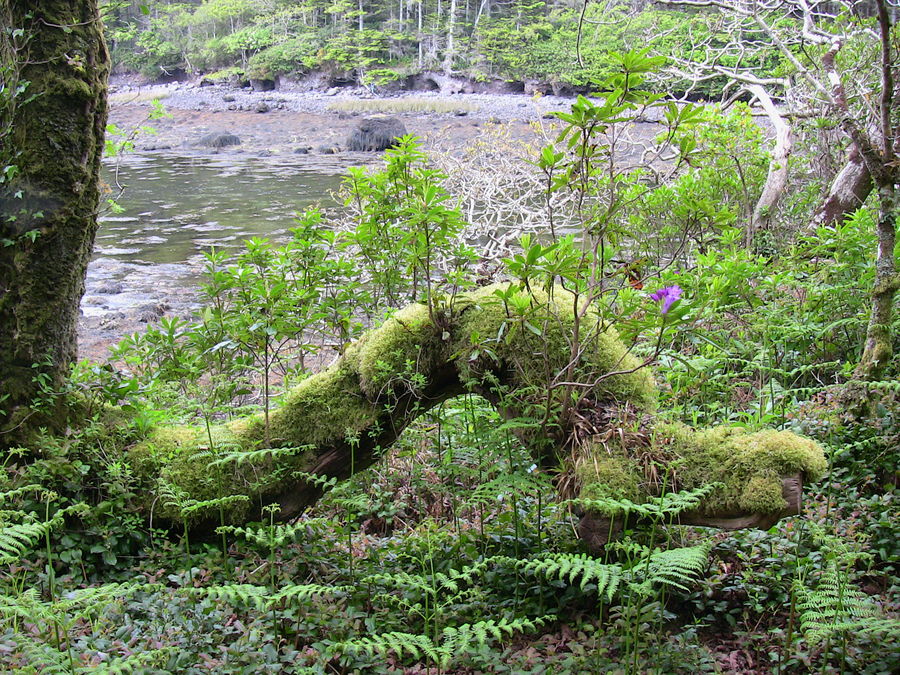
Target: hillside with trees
560	46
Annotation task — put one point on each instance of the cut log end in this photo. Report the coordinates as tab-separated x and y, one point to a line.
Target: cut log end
596	531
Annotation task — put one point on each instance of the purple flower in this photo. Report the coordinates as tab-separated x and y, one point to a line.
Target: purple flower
667	295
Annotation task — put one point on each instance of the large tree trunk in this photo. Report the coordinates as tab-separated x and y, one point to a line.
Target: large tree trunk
48	205
882	162
878	348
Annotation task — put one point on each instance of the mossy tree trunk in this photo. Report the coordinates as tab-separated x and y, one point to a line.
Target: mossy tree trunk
55	64
879	151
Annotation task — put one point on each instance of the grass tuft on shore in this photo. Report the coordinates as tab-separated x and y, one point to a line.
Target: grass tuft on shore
137	97
403	105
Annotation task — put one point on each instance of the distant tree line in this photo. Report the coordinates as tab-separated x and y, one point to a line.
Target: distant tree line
561	43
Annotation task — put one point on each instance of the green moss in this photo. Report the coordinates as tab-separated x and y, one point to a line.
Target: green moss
324	408
348	399
539	345
69	87
749	465
405	344
161	446
613	476
762	494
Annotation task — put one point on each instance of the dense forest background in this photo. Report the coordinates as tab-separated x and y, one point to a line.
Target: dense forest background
564	44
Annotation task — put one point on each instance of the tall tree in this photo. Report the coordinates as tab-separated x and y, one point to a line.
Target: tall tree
54	66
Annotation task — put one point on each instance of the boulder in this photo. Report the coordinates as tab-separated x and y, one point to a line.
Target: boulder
218	139
374	134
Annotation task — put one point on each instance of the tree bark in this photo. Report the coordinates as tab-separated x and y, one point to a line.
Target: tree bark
48	208
881	160
777	178
878	348
848	191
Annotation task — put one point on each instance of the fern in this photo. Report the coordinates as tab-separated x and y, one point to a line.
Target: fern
18	538
570	567
324	483
193	506
675	567
507	483
260	597
835	606
59	616
270	535
255	456
304	592
400	643
435	583
244	595
18	492
455	641
658	508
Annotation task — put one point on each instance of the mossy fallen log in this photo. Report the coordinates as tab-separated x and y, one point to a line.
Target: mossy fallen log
340	421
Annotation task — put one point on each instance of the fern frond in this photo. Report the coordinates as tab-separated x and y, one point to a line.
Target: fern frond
19	538
676	567
245	595
18	492
403	580
324	483
668	505
303	592
507	483
399	643
219	502
269	535
42	658
455	640
256	456
570	567
836	606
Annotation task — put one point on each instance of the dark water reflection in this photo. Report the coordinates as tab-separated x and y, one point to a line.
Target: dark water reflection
177	207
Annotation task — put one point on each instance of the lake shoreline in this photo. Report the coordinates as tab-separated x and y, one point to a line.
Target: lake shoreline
294	124
314	122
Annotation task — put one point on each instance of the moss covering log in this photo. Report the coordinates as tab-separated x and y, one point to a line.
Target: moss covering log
759	476
341	420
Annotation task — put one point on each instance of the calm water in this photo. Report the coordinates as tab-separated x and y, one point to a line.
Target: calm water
177	207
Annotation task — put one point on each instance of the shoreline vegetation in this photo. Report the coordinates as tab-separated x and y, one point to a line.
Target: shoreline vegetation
498	46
